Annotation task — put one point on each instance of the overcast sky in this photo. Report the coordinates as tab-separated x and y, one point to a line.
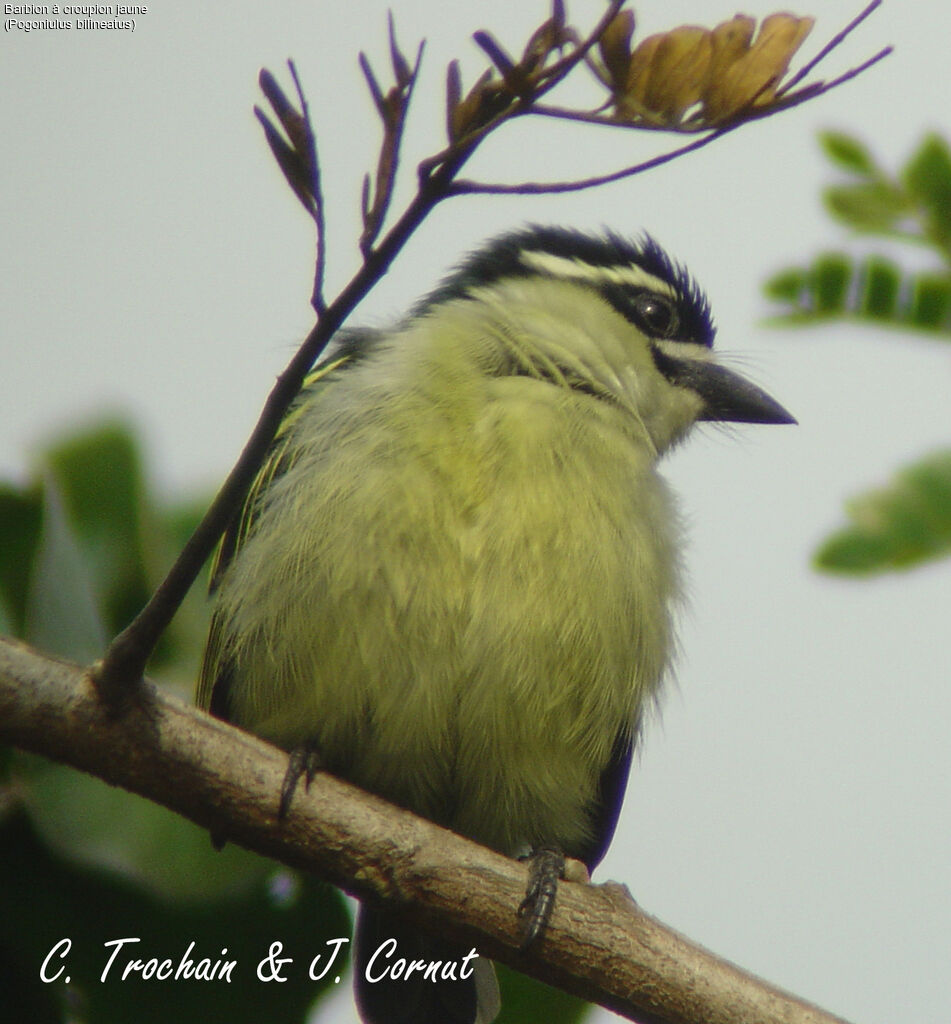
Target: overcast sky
790	811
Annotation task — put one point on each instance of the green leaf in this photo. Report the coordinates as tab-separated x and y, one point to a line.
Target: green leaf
829	283
62	615
147	844
930	304
525	999
900	525
876	290
21	517
99	472
880	284
927	177
128	541
850	154
869	206
787	286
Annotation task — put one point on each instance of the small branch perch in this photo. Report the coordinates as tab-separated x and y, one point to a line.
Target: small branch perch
599	944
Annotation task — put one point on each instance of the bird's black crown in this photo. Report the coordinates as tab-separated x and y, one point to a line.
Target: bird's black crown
598	261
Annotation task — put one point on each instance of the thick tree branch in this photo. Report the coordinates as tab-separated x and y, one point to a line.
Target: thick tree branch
599	945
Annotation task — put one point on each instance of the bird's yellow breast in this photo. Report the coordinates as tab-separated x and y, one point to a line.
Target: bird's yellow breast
460	590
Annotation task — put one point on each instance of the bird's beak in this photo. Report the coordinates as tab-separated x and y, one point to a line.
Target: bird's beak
727	397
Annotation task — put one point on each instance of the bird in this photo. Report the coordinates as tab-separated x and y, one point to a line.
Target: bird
454	579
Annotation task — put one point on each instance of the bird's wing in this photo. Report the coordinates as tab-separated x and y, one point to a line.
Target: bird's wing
213	679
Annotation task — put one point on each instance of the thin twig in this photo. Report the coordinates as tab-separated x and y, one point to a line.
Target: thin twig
811	92
835	41
611	120
463	187
783	99
467	187
394	121
320	262
291	155
522	105
553	75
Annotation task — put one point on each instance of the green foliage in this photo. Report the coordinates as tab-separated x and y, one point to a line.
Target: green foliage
873	289
21	518
99	474
524	999
149	845
867	206
62	611
84	543
927	179
908	521
900	525
48	898
848	153
913	207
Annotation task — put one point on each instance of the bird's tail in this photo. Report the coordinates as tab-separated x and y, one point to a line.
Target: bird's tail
402	976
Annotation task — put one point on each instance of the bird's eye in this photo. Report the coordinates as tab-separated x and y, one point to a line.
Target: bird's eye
656	314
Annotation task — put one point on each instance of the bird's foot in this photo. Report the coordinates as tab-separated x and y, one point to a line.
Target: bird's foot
304	761
546	867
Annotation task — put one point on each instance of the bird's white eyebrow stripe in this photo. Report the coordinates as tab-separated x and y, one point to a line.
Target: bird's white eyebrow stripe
570	268
684	350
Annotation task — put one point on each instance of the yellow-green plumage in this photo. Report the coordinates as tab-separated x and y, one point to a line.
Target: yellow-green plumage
458	585
454	575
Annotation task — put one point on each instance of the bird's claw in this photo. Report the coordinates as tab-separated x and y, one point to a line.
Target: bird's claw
546	867
304	761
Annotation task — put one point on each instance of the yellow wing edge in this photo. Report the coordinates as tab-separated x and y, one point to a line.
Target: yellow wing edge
277	462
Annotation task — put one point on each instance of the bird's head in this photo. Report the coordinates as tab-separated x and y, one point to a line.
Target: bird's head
615	320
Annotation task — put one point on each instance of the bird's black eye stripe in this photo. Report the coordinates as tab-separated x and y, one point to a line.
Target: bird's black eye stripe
654	314
671	318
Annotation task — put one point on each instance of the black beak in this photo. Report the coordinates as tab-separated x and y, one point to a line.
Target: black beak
727	397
